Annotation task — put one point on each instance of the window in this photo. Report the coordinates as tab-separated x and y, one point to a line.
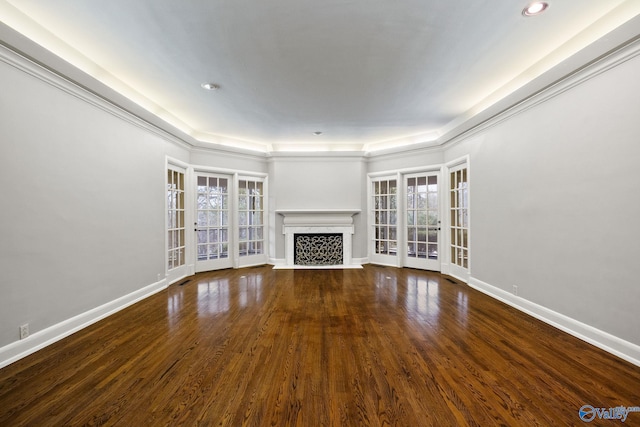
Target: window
251	216
459	228
175	220
385	212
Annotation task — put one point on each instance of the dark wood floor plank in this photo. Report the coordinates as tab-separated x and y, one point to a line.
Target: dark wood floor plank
377	346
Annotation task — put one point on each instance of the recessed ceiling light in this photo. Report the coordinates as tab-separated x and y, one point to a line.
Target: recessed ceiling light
210	86
317	133
535	8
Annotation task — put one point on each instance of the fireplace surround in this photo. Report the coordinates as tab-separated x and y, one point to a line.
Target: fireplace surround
312	222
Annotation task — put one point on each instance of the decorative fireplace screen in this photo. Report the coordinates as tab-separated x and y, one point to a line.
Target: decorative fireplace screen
318	249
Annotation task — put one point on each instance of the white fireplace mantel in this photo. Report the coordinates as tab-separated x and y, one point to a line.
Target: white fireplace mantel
286	212
318	216
312	221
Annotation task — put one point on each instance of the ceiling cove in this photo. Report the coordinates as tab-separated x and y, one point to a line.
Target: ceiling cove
338	75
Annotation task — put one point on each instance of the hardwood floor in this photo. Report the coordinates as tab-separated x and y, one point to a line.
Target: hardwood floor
378	346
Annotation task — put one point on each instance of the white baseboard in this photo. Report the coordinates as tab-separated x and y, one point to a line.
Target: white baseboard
22	348
360	261
607	342
277	262
464	277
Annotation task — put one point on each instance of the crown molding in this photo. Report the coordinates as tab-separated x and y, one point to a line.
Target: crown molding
56	80
617	47
576	77
314	156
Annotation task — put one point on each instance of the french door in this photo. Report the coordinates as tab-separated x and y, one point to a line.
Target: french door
422	221
384	221
459	221
176	224
212	225
251	226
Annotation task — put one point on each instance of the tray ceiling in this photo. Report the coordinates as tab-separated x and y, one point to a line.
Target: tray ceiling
367	74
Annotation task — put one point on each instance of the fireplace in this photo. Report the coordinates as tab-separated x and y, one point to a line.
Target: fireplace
323	236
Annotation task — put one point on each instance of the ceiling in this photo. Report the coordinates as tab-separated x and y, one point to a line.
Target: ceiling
369	74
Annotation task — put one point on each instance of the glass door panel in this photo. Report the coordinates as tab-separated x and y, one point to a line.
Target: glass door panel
251	233
175	219
384	213
212	222
423	224
459	223
175	225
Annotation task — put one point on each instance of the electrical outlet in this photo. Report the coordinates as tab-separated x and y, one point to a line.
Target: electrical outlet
24	331
515	290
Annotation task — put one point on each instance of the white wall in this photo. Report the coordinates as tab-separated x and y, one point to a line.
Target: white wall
554	203
405	160
227	160
313	182
82	218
